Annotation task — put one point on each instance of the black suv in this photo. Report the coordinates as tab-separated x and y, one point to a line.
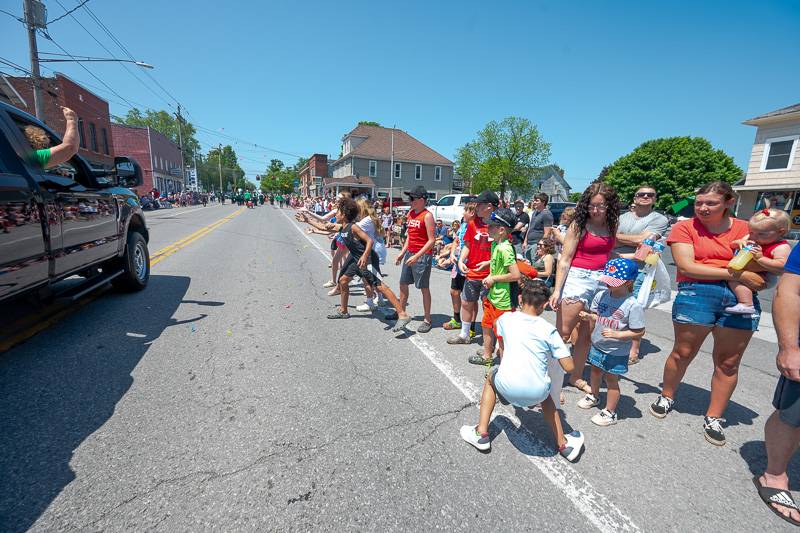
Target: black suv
65	221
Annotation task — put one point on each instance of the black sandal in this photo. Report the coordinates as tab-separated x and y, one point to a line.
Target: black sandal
338	315
778	497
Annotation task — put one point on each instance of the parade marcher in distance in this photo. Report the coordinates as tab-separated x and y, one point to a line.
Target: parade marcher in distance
417	254
618	319
521	378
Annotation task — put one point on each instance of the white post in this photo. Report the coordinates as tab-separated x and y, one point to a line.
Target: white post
391	173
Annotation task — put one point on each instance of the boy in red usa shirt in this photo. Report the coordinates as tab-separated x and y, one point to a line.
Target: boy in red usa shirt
417	253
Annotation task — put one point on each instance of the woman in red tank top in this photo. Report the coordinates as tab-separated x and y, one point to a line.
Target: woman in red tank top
587	247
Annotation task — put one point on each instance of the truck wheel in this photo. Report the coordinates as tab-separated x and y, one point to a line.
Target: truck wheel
135	264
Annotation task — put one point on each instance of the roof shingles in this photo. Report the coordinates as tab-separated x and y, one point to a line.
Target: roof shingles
377	143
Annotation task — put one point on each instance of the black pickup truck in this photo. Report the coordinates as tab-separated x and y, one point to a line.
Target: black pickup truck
65	221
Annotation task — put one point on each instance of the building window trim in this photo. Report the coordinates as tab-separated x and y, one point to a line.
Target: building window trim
418	172
437	173
93	137
106	149
373	168
81	134
398	170
768	147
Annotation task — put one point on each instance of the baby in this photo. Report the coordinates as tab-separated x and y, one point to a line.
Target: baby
770	251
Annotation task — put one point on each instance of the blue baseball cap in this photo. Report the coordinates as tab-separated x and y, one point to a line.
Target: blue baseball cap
618	271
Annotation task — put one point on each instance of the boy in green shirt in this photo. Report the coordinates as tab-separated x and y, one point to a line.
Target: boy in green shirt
503	271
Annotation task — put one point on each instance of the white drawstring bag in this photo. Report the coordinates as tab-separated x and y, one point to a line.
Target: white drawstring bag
656	286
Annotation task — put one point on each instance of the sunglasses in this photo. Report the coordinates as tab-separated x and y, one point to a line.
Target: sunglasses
645	195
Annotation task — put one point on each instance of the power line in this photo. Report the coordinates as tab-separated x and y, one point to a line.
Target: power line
12	15
109	51
68	12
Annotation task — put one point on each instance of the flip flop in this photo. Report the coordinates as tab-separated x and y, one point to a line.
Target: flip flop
777	496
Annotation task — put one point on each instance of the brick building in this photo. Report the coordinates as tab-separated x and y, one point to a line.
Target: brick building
159	157
317	167
94	122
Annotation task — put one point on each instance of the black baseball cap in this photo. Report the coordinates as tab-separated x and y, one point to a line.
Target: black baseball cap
503	217
418	192
487	197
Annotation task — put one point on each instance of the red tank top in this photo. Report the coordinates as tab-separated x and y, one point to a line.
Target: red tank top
417	232
593	251
770	248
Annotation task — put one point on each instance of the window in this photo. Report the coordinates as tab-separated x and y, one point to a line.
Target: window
93	136
446	201
418	172
779	153
373	169
105	142
431	196
398	171
81	134
437	173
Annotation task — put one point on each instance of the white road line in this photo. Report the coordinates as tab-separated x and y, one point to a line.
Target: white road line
596	507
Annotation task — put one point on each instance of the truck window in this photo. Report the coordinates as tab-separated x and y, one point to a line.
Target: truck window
446	201
467	199
68	169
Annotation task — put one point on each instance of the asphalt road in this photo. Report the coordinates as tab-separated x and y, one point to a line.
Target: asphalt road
221	398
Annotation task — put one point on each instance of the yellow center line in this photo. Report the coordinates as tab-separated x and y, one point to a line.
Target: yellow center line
186	241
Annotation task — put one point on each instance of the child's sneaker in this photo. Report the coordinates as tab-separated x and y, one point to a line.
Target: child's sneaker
741	309
588	401
453	324
713	430
605	418
661	407
368	305
573	447
328	284
471	435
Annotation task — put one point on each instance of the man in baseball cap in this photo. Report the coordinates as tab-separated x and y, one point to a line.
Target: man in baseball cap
417	192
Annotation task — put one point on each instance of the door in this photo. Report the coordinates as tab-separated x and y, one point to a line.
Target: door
23	256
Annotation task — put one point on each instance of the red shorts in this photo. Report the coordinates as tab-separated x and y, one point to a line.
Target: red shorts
491	314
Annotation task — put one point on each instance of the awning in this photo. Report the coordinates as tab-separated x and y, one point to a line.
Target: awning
767	187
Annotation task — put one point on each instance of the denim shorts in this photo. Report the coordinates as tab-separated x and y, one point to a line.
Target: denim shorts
581	285
609	363
704	303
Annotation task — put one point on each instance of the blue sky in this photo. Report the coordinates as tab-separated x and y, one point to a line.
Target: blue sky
597	77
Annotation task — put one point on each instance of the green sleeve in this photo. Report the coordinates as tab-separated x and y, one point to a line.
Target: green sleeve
42	157
509	257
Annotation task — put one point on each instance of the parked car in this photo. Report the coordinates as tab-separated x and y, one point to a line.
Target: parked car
450	207
65	221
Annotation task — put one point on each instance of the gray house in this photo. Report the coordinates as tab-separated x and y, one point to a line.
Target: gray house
372	154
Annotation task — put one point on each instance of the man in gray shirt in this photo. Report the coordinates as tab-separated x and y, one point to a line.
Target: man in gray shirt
636	225
540	226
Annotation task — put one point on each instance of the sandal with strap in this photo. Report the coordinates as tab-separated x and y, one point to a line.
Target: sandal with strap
582	386
777	496
338	315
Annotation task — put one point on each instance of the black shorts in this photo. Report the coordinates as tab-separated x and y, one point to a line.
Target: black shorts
350	269
787	401
457	283
333	244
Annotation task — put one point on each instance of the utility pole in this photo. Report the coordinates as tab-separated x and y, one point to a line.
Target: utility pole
391	169
196	171
180	142
219	158
35	18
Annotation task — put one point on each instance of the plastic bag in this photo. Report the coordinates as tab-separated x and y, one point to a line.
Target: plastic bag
656	286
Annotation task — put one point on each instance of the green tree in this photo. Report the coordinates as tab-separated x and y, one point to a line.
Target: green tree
504	156
208	169
675	166
368	123
575	196
166	124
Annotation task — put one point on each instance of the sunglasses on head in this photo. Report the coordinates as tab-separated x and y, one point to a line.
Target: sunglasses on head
645	195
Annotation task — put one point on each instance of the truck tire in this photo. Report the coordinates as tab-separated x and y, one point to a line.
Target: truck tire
135	264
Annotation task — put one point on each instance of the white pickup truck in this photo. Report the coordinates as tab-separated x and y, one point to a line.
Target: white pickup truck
450	207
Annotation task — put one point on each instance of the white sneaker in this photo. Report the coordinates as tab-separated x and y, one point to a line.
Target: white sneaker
574	446
605	418
334	291
469	434
588	401
368	305
328	284
741	309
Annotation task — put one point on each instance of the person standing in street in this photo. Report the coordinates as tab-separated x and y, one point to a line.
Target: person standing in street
417	254
521	227
634	227
540	225
782	430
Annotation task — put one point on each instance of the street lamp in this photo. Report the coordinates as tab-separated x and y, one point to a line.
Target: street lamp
82	59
